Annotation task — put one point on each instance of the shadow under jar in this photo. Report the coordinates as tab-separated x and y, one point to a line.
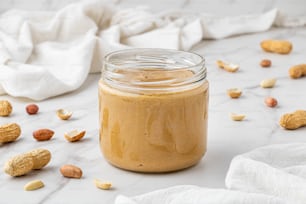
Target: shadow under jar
153	107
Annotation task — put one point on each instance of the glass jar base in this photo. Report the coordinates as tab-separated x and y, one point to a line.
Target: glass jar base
141	168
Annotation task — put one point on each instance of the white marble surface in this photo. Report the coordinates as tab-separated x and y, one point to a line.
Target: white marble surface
226	138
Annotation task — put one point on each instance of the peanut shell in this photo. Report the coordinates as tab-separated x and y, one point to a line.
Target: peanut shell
9	132
19	165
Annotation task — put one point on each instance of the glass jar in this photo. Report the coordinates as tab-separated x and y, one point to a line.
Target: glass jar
153	107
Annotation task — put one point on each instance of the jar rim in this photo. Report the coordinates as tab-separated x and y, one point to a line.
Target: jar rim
107	58
145	70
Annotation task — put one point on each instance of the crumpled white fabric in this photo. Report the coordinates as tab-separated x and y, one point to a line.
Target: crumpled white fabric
278	170
44	54
273	174
186	194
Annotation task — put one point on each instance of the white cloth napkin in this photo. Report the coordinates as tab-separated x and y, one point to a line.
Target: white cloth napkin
197	195
44	54
273	174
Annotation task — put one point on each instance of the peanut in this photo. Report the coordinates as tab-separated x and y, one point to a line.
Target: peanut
5	108
64	114
41	157
74	135
265	63
102	185
43	134
292	121
268	83
227	66
71	171
32	109
22	164
297	71
276	46
9	132
271	102
237	117
19	165
234	93
33	185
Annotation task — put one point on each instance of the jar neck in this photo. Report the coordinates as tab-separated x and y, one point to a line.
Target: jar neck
153	70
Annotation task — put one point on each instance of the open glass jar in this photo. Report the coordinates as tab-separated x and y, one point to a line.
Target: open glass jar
153	107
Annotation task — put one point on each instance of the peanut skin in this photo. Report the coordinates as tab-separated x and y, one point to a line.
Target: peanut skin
292	121
265	63
297	71
271	102
71	171
276	46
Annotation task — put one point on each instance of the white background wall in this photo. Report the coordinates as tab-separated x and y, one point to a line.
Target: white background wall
217	7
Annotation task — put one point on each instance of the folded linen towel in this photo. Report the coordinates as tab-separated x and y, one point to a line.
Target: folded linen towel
44	54
271	174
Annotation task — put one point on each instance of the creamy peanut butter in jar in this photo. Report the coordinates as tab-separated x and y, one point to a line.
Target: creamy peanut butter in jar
153	107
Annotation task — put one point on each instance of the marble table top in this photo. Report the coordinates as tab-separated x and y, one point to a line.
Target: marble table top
226	138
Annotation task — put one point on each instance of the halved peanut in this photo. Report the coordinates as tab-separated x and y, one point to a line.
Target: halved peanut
234	92
230	67
268	83
64	114
33	185
74	135
102	185
237	117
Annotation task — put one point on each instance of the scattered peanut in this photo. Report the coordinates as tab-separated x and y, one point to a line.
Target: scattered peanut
5	108
292	121
9	132
276	46
237	117
265	63
268	83
234	92
41	157
19	165
71	171
64	114
32	109
22	164
297	71
33	185
43	134
227	66
74	135
271	102
102	185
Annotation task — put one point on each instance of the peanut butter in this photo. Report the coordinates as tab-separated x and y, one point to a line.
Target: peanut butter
154	132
